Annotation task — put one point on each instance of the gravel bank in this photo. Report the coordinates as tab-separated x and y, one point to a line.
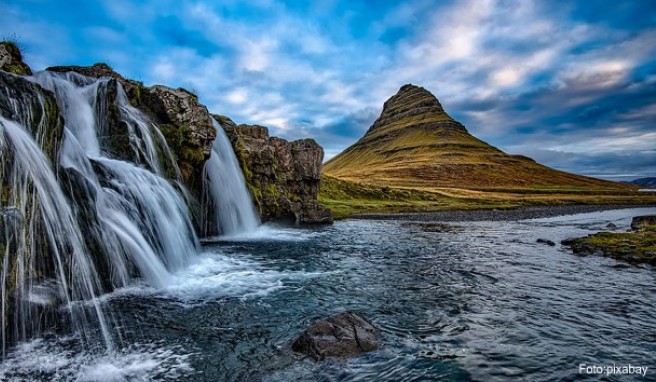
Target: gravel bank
495	214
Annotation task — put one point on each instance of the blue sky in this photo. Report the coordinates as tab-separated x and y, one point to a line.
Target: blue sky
571	84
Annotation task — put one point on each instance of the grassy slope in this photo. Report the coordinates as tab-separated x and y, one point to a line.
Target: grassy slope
424	160
346	198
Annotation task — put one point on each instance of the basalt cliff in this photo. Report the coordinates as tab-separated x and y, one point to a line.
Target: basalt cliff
283	177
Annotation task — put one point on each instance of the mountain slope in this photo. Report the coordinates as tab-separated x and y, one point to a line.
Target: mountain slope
645	182
415	143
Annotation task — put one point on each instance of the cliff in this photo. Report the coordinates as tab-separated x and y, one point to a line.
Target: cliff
283	177
184	122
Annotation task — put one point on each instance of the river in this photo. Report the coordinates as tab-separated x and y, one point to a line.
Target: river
456	301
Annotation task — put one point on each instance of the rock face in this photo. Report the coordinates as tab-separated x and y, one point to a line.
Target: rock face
342	335
38	110
415	143
185	123
11	59
35	109
283	177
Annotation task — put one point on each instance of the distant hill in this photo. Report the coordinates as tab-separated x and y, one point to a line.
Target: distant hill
645	182
416	144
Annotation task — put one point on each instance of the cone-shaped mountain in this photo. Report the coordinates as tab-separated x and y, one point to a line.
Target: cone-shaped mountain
415	143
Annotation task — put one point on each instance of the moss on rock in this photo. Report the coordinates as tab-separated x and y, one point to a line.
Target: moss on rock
638	246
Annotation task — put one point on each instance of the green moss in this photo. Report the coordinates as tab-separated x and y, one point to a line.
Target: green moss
634	247
134	96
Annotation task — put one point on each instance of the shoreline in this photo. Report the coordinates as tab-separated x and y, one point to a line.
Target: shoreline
511	214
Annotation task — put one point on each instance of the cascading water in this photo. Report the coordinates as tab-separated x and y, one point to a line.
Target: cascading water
234	212
39	200
133	222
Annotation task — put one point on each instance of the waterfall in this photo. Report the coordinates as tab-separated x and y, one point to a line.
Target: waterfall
225	186
39	200
133	222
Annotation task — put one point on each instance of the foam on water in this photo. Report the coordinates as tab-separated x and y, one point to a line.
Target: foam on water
55	360
266	233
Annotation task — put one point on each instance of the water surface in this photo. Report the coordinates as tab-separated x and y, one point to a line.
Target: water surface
456	301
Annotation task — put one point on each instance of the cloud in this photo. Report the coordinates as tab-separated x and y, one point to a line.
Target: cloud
529	77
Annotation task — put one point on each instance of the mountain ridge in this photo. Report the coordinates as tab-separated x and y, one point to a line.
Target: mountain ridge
415	143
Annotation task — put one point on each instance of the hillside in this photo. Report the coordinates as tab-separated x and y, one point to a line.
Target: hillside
645	182
416	144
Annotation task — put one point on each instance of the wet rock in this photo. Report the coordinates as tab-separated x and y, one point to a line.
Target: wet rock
545	241
283	177
640	222
343	335
33	107
611	226
184	122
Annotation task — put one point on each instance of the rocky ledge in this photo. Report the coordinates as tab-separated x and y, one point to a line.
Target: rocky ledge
283	177
342	335
637	246
185	123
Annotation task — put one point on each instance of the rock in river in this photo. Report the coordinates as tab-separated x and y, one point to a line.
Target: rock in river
342	335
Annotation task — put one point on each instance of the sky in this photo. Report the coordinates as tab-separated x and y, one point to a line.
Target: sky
571	84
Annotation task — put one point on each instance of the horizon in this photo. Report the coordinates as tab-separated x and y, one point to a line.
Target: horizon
572	85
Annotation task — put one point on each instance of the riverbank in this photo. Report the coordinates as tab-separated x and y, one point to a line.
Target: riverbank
510	214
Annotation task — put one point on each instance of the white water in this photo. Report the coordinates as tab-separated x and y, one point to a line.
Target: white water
234	212
37	194
143	220
96	223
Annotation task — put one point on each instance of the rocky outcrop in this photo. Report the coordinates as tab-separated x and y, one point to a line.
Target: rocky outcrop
342	335
33	107
283	177
637	246
417	103
640	222
186	125
11	59
183	120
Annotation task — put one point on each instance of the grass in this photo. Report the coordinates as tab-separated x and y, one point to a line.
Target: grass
634	247
348	198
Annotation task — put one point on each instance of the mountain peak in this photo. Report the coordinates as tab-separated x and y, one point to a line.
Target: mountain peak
411	103
415	143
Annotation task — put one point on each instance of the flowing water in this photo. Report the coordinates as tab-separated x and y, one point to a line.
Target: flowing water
91	223
226	188
461	301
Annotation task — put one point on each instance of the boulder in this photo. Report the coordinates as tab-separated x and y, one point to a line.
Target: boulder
342	335
545	241
640	222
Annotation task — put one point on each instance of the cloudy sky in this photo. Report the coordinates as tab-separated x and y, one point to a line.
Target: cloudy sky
571	84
